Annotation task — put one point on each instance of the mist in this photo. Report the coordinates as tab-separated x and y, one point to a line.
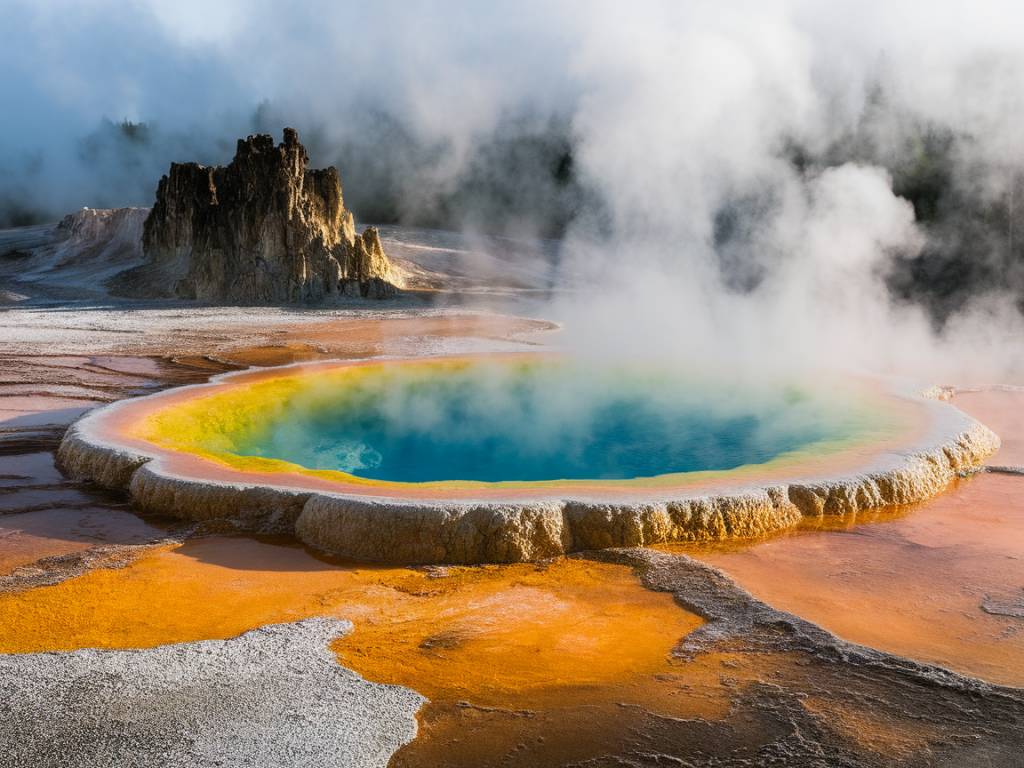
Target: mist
764	187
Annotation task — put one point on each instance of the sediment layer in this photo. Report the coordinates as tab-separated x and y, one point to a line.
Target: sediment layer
437	530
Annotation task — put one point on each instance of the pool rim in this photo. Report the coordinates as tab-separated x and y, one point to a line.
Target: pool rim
477	526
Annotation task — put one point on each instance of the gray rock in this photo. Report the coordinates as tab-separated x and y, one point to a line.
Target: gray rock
264	229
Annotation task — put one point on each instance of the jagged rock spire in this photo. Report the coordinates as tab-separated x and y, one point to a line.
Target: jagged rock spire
263	229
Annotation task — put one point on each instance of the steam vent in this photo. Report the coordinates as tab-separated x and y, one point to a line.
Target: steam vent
265	229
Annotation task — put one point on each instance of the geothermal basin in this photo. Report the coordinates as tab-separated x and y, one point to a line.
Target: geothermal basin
519	457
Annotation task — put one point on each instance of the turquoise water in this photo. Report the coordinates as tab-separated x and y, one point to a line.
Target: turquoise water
545	421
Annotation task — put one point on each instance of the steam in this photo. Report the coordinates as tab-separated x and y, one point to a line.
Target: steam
777	185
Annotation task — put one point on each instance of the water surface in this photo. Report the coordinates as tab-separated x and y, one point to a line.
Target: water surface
540	421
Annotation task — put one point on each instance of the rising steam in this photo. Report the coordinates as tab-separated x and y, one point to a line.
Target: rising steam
775	184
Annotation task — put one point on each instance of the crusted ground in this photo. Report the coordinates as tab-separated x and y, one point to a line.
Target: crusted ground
274	696
969	722
798	697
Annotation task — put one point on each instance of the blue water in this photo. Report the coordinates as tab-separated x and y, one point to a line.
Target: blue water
540	422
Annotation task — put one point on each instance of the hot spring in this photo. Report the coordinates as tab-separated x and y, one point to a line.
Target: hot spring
526	421
519	457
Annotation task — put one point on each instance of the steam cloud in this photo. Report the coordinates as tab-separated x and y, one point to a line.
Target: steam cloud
768	183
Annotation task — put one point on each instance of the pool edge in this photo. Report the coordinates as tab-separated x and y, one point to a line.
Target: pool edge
425	531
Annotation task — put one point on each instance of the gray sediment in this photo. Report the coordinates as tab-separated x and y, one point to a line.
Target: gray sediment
273	696
421	531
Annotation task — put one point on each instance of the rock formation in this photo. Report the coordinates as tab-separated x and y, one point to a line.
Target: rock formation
263	229
77	257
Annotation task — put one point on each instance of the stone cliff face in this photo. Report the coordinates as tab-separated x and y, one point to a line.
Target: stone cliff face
263	229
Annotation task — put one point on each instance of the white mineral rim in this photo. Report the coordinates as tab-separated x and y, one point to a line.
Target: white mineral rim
411	531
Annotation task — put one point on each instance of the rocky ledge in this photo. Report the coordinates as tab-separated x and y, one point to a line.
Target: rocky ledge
264	229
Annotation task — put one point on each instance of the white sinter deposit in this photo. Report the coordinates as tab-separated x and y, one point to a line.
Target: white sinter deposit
273	696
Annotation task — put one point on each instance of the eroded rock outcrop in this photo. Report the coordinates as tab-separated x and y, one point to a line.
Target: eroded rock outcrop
263	229
77	257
